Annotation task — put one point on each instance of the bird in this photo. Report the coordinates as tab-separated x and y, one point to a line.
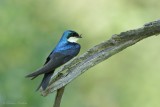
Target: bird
66	49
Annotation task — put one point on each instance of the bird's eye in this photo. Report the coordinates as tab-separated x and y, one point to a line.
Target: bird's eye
72	35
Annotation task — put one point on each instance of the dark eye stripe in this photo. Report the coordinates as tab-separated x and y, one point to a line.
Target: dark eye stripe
75	34
72	34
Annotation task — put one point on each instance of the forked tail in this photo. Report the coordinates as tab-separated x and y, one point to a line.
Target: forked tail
45	81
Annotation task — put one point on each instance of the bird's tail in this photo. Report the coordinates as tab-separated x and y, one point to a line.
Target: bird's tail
34	74
45	81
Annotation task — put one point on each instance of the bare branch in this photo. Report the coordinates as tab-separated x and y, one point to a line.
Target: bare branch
101	52
58	98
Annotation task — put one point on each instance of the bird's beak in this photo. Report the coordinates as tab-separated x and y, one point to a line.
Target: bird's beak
80	36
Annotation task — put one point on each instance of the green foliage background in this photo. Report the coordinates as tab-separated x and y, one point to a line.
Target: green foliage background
29	30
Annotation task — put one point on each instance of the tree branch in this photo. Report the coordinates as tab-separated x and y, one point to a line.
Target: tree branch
99	53
58	98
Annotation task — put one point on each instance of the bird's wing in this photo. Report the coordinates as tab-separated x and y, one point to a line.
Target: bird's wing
48	58
55	60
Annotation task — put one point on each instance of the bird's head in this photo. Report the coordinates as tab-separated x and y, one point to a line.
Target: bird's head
71	36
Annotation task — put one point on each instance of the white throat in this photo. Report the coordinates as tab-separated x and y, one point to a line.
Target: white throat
73	39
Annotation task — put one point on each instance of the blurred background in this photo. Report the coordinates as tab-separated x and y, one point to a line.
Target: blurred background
30	29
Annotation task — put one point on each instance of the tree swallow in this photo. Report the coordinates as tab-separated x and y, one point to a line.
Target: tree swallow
65	50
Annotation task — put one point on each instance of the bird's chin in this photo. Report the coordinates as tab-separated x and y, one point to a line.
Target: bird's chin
73	39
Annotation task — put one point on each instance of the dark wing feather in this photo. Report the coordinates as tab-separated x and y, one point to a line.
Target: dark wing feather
56	60
47	60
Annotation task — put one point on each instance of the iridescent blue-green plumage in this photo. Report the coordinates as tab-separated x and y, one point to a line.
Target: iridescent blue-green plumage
63	52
